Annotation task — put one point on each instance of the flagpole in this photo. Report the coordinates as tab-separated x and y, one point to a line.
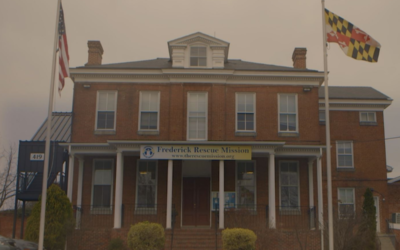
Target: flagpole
48	135
328	134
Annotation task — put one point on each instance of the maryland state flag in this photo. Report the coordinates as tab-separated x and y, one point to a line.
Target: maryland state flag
353	41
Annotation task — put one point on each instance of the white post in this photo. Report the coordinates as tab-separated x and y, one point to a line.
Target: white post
320	200
79	194
118	190
221	195
311	183
271	191
70	175
169	193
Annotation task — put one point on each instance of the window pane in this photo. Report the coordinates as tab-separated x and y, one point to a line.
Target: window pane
110	102
291	103
364	117
102	103
284	179
249	103
349	196
371	117
101	195
241	103
283	126
293	180
294	196
322	116
202	61
292	122
202	51
193	61
249	122
194	51
153	101
283	103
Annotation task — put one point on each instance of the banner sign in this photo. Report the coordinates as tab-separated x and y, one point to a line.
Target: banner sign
195	152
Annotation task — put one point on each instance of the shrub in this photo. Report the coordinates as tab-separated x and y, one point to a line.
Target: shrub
116	244
238	239
146	236
59	220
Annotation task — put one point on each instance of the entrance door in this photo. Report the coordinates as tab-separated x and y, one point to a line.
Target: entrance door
196	201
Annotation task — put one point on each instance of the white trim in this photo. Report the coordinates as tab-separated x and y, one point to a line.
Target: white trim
337	155
137	189
255	182
339	201
115	109
279	112
187	115
357	101
254	112
140	110
378	213
298	181
112	178
367	113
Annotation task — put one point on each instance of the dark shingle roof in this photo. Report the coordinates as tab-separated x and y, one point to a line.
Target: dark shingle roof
165	63
341	92
61	128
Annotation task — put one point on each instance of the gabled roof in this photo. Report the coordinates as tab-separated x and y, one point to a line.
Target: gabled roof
341	92
61	128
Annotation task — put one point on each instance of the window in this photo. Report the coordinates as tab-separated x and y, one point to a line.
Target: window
346	202
246	184
289	184
106	109
287	112
146	185
102	183
367	117
245	111
197	116
198	56
344	154
149	107
322	116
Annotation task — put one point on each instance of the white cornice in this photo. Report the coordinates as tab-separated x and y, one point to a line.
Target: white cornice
355	105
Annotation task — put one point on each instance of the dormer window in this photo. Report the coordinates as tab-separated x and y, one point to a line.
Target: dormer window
198	56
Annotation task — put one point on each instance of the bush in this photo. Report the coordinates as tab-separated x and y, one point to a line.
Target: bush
116	244
59	220
146	236
238	239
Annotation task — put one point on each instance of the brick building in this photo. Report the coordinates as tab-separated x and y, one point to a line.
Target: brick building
162	139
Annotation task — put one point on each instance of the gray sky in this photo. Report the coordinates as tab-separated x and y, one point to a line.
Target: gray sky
258	31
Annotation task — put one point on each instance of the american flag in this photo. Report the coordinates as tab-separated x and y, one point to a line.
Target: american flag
63	56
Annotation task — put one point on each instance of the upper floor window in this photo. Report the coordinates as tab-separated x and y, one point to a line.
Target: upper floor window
287	113
146	185
149	110
198	56
346	202
344	154
102	183
246	184
368	117
321	116
197	116
289	184
106	109
245	111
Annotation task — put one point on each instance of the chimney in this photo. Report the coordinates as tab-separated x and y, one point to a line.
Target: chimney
299	58
95	53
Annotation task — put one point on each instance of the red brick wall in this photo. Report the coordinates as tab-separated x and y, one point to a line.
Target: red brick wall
7	222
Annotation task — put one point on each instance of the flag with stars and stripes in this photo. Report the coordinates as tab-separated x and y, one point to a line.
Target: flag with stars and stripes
63	56
353	41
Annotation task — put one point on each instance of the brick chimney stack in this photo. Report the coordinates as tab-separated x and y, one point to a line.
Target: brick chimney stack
299	58
95	53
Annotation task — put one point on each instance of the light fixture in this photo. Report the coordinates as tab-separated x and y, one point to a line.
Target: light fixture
143	172
86	86
307	89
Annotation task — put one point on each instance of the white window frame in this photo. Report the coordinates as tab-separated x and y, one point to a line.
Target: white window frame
190	56
206	116
140	110
337	155
237	111
255	183
115	109
368	113
145	210
298	183
340	202
104	210
288	113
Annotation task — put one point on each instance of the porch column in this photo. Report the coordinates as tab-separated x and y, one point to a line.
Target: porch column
221	195
169	193
271	191
320	197
70	175
311	182
118	190
79	195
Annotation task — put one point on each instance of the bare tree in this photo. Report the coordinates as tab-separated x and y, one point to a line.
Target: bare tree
8	175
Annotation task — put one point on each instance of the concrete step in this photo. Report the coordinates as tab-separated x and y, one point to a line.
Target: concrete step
388	241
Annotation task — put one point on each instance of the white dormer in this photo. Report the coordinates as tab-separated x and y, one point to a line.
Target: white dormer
198	50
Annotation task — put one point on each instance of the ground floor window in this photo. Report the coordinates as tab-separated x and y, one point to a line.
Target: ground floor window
246	184
102	183
346	202
289	184
146	184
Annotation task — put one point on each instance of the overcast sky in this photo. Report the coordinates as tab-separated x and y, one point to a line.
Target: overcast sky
258	31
